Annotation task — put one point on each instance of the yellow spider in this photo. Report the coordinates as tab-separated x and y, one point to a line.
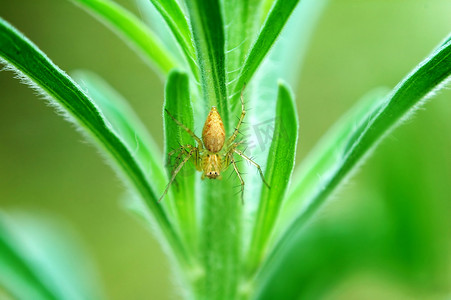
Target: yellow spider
212	154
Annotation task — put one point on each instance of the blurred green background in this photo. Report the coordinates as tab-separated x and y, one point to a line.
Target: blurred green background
399	202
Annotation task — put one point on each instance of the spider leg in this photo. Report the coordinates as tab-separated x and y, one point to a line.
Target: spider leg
173	152
232	161
254	163
240	121
176	163
177	159
198	140
182	150
233	146
176	171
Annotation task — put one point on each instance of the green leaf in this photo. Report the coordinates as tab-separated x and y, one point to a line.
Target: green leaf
177	23
32	65
126	125
178	104
323	156
274	23
242	24
36	260
284	61
208	33
266	8
322	257
134	32
278	173
396	235
446	40
422	82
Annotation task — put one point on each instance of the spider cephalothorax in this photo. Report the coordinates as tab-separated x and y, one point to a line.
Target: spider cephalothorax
213	153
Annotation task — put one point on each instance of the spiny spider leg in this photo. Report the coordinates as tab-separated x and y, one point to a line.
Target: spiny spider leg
232	160
254	163
170	154
233	146
243	113
176	171
182	150
199	142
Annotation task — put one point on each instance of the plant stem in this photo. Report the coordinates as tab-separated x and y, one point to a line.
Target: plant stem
221	243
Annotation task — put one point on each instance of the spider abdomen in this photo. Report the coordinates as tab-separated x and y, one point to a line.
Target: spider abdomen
213	134
208	156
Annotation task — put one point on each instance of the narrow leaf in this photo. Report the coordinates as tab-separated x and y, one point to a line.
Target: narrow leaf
178	104
242	24
266	8
423	81
32	65
208	33
284	61
176	21
326	154
134	32
278	173
278	16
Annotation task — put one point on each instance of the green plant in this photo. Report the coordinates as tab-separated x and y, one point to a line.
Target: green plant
212	244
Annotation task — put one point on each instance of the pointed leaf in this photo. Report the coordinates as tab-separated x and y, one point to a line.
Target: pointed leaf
278	173
242	18
274	23
284	61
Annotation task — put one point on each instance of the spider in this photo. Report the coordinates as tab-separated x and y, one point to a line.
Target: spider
213	153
